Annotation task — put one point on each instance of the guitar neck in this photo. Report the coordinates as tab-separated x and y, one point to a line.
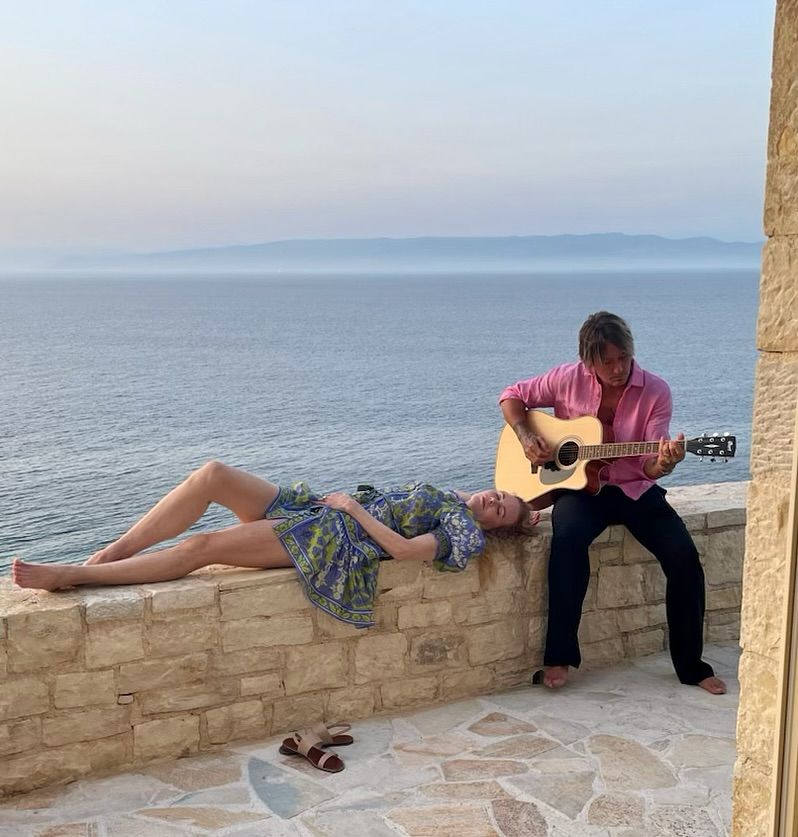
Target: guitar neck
616	450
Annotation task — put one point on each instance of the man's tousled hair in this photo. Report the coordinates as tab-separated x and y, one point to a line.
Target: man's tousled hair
598	330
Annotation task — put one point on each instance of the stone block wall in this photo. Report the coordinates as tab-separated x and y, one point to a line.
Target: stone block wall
112	678
776	396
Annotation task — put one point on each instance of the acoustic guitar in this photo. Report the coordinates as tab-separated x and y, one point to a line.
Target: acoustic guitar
578	456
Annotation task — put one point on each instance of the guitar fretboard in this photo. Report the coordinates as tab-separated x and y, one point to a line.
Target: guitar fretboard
617	449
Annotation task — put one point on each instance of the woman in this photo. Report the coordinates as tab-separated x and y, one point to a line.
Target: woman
335	541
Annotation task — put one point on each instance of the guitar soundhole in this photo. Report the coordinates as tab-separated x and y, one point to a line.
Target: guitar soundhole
568	453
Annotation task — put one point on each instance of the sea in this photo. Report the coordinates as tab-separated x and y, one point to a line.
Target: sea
114	389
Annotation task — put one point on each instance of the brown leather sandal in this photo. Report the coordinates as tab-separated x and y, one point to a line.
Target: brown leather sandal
306	743
333	735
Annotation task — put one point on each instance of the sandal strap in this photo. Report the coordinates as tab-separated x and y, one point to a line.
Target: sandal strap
306	741
326	732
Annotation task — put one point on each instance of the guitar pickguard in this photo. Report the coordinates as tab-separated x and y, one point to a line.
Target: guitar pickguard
548	477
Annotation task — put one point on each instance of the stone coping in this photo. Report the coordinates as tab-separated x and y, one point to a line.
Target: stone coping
706	505
111	678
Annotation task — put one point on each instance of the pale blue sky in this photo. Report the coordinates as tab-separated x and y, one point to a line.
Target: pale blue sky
160	125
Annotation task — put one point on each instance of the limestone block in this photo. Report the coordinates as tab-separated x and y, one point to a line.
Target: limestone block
109	644
297	712
181	635
644	642
40	639
536	636
602	653
3	660
725	517
756	717
267	631
414	691
781	200
474	681
113	605
701	541
534	556
185	698
751	797
603	537
654	583
634	552
191	594
157	674
239	720
722	598
497	641
724	559
776	331
85	726
537	597
774	415
764	568
600	624
400	580
591	597
166	738
245	661
605	555
487	607
259	601
267	685
27	771
431	651
352	702
444	585
424	614
722	626
20	736
23	696
695	521
621	586
84	689
380	657
237	578
500	568
316	667
635	618
331	628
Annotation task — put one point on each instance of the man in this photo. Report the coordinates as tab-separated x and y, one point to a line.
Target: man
632	405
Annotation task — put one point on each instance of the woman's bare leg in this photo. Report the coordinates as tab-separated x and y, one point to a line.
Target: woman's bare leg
246	495
244	545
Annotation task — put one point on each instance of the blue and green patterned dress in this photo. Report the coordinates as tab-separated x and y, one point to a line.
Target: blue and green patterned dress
339	562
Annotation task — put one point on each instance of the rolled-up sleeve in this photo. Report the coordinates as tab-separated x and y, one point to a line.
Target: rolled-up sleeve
539	391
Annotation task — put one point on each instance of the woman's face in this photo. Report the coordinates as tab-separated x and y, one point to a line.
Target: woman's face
495	508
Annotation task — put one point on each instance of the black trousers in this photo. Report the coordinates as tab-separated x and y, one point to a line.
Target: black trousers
578	518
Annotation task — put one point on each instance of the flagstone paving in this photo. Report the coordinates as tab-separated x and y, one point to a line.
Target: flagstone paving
621	752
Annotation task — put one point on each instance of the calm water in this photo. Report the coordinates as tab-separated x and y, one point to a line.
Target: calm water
113	391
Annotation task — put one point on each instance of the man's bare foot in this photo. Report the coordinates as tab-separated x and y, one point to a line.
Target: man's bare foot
39	576
555	677
714	685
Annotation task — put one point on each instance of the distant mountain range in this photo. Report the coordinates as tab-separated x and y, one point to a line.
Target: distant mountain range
597	251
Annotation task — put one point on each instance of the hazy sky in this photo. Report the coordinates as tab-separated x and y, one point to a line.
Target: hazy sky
159	125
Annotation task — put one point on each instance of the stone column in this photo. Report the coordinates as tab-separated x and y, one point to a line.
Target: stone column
765	571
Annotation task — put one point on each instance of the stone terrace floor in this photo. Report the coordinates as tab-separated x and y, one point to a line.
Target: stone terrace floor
622	752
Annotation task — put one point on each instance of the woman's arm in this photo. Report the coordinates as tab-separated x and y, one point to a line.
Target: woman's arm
419	548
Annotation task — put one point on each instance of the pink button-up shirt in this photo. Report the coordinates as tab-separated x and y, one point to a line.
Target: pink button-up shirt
643	413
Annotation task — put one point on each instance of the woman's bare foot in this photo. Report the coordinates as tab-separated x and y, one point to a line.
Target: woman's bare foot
39	576
555	677
714	685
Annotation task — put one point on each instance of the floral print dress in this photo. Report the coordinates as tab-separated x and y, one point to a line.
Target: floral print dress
339	562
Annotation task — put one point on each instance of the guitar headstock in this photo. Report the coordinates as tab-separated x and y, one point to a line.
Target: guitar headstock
714	445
